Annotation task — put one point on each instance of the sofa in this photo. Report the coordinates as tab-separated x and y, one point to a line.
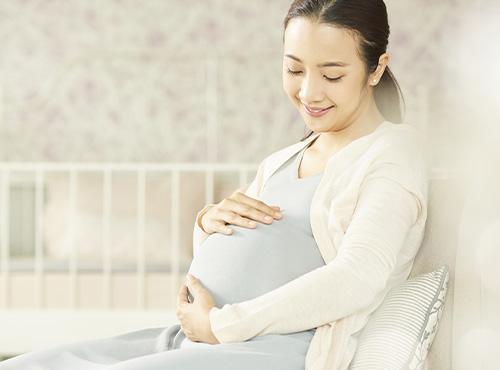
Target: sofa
447	198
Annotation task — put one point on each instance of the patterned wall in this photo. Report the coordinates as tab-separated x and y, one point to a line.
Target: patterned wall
168	80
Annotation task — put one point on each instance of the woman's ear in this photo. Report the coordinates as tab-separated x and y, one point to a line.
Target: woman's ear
382	64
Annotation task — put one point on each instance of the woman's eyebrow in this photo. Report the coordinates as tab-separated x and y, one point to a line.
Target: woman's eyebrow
328	64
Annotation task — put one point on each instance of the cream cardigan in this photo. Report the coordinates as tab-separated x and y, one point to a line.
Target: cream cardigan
368	216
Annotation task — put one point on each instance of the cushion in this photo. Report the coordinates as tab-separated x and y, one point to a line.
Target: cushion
400	332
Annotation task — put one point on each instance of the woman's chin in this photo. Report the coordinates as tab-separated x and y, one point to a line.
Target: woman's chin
319	125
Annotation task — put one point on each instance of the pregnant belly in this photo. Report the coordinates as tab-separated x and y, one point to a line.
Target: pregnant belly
251	262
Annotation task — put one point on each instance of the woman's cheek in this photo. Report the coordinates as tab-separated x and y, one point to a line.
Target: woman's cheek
291	84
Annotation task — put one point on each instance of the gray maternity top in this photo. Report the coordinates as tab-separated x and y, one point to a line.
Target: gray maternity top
233	268
251	262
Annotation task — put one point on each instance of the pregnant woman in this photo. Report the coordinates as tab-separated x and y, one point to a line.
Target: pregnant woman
287	272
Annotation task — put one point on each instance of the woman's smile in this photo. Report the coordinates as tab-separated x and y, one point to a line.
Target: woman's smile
327	81
315	111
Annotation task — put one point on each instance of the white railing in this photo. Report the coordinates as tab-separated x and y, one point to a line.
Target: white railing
43	325
8	172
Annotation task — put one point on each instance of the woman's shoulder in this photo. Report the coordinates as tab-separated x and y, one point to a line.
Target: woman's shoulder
401	152
401	133
400	140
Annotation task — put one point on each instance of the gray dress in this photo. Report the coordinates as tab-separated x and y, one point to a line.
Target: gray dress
233	268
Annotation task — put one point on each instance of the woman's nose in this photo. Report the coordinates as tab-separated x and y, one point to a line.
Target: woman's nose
311	90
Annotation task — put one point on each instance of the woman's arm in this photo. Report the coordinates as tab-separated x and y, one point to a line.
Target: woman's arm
384	214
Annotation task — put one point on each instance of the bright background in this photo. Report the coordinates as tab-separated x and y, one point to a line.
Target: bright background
200	81
177	81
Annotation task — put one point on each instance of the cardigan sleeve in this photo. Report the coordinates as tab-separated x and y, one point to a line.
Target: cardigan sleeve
384	214
199	235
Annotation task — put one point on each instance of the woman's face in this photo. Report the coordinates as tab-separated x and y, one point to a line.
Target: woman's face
324	76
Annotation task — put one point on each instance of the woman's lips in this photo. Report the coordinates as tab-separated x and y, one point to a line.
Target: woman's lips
316	112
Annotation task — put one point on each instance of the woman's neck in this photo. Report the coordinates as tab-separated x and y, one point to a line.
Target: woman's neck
330	143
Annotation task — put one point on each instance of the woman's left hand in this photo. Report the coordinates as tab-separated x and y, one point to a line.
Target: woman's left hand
194	317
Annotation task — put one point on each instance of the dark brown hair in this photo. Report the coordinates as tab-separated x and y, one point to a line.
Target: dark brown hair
367	20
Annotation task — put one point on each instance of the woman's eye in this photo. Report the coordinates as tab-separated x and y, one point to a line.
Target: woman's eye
293	72
337	79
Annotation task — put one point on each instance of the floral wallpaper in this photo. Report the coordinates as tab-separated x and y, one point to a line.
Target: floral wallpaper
164	81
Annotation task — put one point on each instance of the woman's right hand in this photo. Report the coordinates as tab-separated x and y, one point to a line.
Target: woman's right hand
238	209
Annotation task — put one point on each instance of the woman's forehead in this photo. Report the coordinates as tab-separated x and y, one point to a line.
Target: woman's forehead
315	42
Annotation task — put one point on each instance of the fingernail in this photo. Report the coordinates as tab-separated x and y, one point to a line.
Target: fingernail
277	215
252	224
189	278
268	218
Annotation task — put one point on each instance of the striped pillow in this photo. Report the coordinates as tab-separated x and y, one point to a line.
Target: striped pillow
400	332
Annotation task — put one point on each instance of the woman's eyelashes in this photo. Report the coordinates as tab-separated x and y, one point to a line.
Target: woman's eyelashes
336	79
295	73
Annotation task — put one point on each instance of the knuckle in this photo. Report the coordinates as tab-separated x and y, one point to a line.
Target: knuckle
218	226
236	195
263	207
217	213
226	202
231	218
245	208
